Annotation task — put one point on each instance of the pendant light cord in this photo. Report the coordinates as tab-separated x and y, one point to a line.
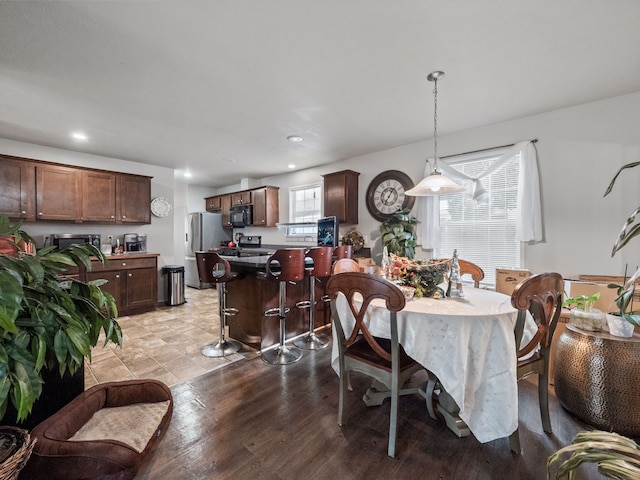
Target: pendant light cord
435	124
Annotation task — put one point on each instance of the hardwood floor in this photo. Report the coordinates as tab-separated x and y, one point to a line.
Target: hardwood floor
251	421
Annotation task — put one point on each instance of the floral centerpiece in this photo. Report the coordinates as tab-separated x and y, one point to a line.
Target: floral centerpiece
423	275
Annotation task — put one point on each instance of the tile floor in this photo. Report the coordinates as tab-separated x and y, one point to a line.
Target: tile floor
164	344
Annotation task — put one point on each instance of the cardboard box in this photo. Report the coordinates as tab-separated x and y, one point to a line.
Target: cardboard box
606	302
368	265
508	278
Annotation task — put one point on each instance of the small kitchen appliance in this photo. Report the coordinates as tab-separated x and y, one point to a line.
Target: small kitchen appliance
135	243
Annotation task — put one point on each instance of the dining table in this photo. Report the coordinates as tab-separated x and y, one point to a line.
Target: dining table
468	343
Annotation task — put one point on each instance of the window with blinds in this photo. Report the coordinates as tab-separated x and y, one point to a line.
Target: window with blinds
305	206
483	233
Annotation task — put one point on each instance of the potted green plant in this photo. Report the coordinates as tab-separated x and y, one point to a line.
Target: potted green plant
48	322
622	321
399	233
582	313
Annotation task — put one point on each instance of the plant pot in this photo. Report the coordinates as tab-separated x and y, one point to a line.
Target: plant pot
618	326
592	320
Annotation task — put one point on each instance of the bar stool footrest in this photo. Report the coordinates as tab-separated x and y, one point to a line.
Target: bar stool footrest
274	312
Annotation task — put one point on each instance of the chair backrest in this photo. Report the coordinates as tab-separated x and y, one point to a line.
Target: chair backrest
343	251
541	295
286	265
467	267
209	270
322	258
360	289
343	265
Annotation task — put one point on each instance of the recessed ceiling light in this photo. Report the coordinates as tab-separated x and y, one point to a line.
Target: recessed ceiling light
291	165
80	136
187	174
295	138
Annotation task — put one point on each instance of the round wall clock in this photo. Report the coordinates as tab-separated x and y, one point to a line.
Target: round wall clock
385	194
160	207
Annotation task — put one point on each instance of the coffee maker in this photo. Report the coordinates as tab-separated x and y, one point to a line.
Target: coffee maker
135	242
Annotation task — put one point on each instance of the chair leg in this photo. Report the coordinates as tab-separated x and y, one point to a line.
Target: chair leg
393	416
514	442
223	347
282	355
311	341
344	386
543	399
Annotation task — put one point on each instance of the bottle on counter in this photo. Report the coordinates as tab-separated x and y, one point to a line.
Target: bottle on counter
385	262
454	288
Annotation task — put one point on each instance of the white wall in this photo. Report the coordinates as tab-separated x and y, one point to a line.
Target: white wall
579	151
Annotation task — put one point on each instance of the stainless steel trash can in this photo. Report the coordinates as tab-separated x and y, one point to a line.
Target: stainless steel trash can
174	283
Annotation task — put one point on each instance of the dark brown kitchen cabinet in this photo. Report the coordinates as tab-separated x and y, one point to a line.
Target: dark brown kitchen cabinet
341	196
225	201
17	195
57	193
241	198
134	195
33	190
98	196
213	204
133	281
266	211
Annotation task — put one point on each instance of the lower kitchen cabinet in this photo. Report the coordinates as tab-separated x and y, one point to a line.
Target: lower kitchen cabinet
132	280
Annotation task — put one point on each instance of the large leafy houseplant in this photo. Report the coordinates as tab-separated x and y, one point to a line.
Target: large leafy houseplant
47	320
399	233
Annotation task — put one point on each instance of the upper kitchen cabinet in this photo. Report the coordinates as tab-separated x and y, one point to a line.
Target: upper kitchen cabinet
134	196
17	195
98	196
58	193
33	190
225	202
241	198
213	204
341	196
266	211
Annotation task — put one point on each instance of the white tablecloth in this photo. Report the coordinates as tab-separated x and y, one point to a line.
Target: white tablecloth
468	344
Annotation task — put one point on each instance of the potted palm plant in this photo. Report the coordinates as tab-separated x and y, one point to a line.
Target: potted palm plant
48	322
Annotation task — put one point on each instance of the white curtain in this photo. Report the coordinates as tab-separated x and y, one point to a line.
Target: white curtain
529	208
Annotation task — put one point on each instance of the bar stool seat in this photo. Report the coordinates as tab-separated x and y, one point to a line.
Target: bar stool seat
210	271
284	266
322	261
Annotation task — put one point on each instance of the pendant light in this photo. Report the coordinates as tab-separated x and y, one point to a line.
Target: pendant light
436	183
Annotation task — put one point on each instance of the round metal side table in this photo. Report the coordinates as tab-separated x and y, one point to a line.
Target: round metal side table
597	378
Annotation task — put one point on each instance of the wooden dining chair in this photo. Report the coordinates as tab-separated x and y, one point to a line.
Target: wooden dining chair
345	265
382	359
467	267
541	296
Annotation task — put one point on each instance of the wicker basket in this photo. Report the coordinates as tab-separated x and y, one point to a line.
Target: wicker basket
19	451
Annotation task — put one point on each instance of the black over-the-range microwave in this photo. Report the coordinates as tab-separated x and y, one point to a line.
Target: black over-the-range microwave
63	240
241	215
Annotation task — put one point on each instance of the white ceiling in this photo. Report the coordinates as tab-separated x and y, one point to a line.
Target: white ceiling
216	86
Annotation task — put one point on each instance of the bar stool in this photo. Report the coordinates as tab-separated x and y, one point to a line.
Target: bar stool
322	260
343	251
291	269
209	271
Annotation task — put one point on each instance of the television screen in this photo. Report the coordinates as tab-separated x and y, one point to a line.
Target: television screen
328	232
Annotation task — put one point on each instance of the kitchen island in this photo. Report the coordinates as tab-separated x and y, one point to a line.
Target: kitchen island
252	293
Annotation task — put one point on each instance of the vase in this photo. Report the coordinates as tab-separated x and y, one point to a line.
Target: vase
592	320
618	326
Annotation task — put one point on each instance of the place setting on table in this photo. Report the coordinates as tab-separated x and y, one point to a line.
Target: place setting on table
463	336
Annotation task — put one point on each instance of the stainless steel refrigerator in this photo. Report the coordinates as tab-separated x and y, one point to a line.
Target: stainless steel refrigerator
204	231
